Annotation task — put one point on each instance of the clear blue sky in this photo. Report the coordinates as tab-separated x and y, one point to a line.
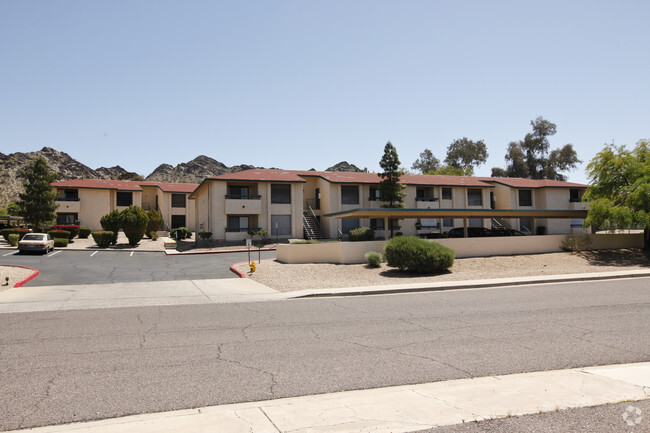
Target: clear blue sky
306	84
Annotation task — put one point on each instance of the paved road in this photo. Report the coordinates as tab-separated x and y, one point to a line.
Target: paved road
81	267
80	365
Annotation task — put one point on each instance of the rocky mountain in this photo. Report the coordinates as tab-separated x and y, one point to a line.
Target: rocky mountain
345	166
194	171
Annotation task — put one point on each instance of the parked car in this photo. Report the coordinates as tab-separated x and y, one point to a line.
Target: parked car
431	236
41	242
472	232
506	232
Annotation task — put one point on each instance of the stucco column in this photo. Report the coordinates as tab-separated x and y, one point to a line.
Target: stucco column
465	222
386	230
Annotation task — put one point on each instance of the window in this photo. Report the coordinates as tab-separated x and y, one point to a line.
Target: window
446	193
281	225
377	223
525	197
71	194
375	195
428	222
178	221
237	223
474	197
67	218
574	195
577	223
280	193
124	198
178	200
448	222
349	194
349	224
475	222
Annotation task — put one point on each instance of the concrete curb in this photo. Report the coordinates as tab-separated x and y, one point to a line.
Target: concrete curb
28	279
235	271
467	284
190	253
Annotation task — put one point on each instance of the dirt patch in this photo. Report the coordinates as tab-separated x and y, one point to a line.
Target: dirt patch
290	277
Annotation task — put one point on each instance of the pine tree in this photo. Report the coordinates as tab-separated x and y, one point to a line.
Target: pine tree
390	189
37	203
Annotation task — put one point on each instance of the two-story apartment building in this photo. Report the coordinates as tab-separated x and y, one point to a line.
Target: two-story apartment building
85	201
283	202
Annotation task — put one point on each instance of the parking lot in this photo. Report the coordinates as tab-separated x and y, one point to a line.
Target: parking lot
101	267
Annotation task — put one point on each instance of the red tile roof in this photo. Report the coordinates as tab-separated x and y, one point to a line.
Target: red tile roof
519	182
125	185
261	175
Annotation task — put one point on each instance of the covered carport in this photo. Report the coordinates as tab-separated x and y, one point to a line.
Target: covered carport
401	213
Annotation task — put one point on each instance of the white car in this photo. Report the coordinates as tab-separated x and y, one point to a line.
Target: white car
41	242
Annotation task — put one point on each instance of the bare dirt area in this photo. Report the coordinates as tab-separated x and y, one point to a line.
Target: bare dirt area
14	274
290	277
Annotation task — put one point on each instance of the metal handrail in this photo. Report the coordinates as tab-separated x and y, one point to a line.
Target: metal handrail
314	216
340	234
242	197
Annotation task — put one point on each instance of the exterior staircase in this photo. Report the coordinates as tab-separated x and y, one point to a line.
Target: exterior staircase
310	226
500	224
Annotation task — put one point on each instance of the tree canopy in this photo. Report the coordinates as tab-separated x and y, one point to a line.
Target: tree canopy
37	204
530	157
389	187
619	191
463	155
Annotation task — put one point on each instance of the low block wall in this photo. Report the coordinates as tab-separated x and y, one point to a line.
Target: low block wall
353	252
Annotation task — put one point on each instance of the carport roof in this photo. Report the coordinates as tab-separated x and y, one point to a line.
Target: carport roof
456	213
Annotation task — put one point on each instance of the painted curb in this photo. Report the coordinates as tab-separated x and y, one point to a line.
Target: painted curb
176	253
235	271
28	279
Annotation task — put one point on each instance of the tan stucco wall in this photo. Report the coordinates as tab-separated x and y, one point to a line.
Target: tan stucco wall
353	252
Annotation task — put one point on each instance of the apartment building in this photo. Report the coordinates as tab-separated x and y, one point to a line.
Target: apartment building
85	201
294	203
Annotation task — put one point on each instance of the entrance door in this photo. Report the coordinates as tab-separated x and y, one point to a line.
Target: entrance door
317	198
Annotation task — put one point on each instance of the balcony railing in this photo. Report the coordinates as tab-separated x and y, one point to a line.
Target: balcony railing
426	199
374	198
242	197
67	199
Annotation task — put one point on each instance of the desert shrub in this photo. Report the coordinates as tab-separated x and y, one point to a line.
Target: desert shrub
134	222
61	242
362	234
72	229
13	239
153	236
408	253
205	235
84	232
103	238
111	222
13	230
373	259
576	242
180	233
154	224
56	233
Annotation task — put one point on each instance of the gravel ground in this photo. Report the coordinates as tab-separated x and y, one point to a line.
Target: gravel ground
15	274
290	277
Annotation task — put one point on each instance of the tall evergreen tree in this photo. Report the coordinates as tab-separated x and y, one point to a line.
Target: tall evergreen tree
37	203
389	187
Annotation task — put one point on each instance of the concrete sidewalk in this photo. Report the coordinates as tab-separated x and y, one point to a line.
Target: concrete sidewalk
401	408
230	290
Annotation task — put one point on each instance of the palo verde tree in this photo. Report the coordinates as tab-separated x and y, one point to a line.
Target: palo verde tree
37	204
619	191
390	188
530	157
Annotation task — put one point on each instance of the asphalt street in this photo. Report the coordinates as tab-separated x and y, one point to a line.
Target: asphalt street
103	267
60	367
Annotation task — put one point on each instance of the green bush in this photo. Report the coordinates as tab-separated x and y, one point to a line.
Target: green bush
13	239
111	222
205	235
374	259
180	233
154	224
576	242
13	230
103	238
59	234
134	221
153	236
61	242
72	229
408	253
84	232
362	234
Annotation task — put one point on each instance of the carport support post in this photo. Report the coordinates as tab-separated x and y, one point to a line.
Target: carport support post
465	227
386	227
532	226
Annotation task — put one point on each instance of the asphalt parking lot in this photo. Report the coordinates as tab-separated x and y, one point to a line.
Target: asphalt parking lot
102	267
